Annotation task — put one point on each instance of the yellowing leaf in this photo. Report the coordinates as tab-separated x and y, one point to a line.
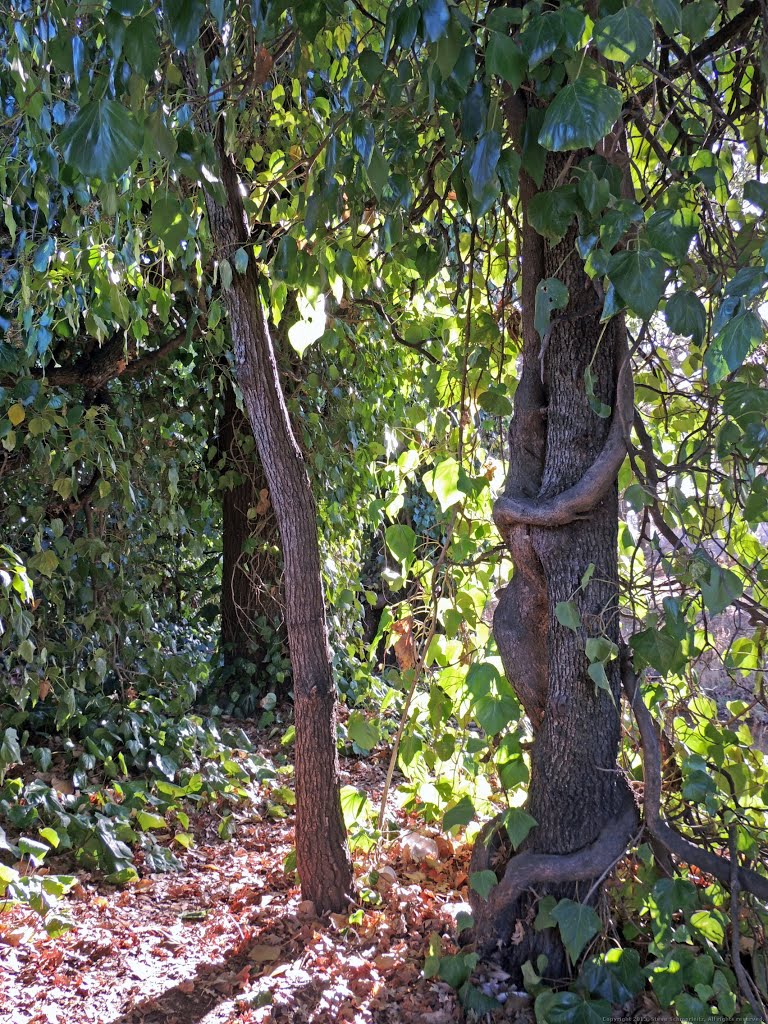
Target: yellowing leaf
16	414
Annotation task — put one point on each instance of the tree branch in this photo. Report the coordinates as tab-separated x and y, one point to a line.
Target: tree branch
578	500
680	847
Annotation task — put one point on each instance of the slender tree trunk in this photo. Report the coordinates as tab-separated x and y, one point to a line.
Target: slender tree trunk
252	568
321	847
576	790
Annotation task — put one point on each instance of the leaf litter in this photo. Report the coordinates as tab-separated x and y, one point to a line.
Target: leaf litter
229	939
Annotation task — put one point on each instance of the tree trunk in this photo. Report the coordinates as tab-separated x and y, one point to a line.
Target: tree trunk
250	578
321	847
576	790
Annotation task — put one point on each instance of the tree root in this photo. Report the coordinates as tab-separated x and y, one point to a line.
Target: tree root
577	501
680	847
495	917
494	920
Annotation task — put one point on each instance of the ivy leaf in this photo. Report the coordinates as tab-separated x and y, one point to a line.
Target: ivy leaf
10	752
698	18
551	294
103	140
504	58
659	649
671	232
480	175
184	17
638	276
361	731
311	326
617	976
461	813
443	482
722	588
518	824
551	213
541	37
568	615
401	541
740	336
578	923
686	316
669	14
435	17
625	37
580	115
756	192
482	882
141	47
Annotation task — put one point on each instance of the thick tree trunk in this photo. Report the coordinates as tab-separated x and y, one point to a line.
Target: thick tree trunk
321	848
576	789
252	568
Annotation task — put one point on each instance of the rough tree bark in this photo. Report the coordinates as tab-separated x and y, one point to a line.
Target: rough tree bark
321	847
252	567
559	513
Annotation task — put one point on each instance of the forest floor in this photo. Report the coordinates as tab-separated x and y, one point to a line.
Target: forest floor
230	940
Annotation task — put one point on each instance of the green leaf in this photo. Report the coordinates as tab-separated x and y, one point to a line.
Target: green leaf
596	672
568	615
638	277
671	232
10	751
443	483
551	294
551	213
140	45
147	820
457	969
578	923
581	114
482	882
371	66
32	849
600	648
659	649
461	813
361	731
504	58
709	924
480	172
518	824
103	140
541	37
494	713
626	36
355	806
51	835
435	16
756	192
740	336
241	260
617	976
685	315
698	18
721	589
311	326
184	18
401	541
670	15
168	221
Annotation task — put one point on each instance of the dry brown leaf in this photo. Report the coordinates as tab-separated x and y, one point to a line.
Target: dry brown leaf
264	954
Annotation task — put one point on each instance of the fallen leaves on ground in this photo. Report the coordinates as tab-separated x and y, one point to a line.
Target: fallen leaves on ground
230	939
